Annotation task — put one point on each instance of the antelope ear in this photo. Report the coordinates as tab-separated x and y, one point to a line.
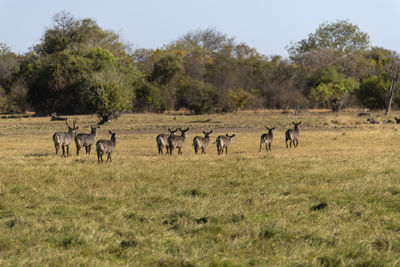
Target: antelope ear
187	129
180	129
227	135
232	135
204	132
210	132
110	132
299	123
273	129
98	126
293	123
77	128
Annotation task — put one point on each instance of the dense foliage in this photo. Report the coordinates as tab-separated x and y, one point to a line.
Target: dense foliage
78	67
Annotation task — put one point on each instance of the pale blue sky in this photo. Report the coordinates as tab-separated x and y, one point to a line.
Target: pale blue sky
267	25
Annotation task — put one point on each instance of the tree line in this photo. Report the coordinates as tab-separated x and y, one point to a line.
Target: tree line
80	68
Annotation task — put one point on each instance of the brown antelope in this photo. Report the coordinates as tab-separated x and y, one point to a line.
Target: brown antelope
106	147
64	139
223	142
175	141
86	140
267	139
292	135
162	141
200	142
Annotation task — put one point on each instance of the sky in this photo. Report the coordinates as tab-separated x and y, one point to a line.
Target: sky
268	26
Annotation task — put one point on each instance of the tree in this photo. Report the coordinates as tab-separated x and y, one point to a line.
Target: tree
148	98
237	99
109	95
9	67
82	68
70	33
210	40
373	91
327	86
196	96
393	71
166	69
384	63
341	36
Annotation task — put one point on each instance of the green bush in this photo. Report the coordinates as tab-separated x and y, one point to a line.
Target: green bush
197	96
373	92
148	98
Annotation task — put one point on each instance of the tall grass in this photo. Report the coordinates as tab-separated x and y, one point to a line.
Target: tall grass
334	200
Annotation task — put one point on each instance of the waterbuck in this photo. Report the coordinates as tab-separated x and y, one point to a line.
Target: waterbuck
200	142
175	141
162	141
267	139
86	140
292	135
223	142
106	147
64	138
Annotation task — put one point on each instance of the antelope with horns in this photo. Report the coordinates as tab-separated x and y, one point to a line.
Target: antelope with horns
64	139
267	139
106	147
175	141
200	142
292	135
223	142
86	140
162	141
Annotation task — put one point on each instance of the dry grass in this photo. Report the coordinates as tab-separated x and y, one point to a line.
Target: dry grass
334	200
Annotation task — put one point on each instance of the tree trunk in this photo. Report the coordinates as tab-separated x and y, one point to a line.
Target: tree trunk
104	118
392	87
335	105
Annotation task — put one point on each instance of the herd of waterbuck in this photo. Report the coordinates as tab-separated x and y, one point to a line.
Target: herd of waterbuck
169	141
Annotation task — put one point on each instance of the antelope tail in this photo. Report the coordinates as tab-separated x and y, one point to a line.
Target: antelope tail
56	139
99	147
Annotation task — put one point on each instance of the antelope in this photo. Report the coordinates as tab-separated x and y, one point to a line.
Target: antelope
267	139
86	140
223	142
201	142
64	138
292	135
106	147
175	141
162	141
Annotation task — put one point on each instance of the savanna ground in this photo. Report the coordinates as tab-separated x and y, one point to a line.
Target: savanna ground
334	200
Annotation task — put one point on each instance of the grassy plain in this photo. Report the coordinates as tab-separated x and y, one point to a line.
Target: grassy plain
332	201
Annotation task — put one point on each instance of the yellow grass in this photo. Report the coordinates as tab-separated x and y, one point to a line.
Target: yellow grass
247	208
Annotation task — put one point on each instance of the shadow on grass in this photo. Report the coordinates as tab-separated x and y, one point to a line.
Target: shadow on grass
37	155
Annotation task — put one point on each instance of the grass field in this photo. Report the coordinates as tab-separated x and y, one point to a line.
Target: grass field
332	201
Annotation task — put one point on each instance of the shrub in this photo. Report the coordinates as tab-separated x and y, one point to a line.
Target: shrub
197	96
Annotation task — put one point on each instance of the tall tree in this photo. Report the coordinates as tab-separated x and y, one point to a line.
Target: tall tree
329	86
82	68
393	72
341	36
